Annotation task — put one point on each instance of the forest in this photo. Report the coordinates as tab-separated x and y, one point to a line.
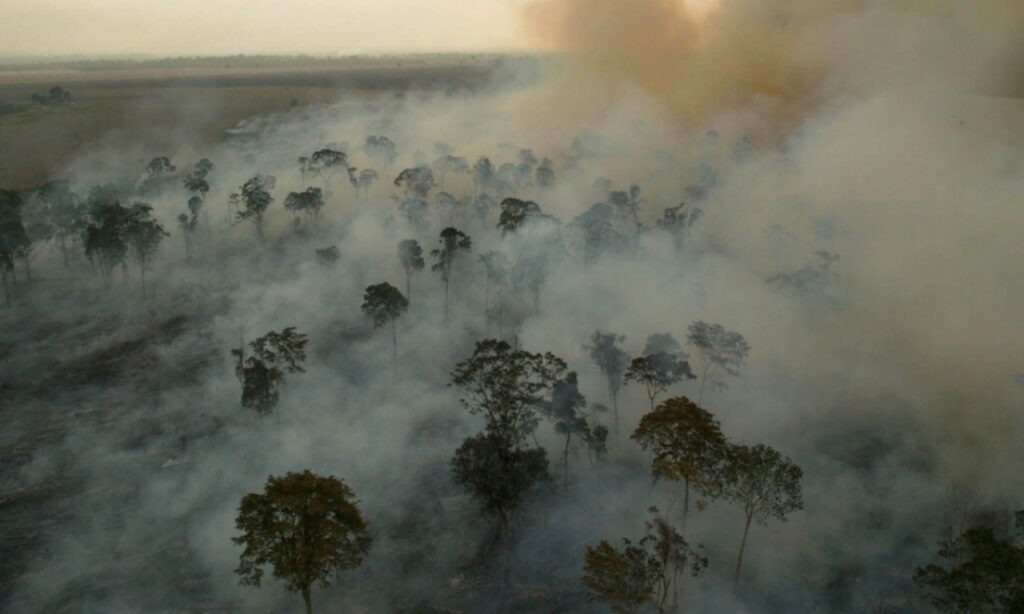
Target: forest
514	346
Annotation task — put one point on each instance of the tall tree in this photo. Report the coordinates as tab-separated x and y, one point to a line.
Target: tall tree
105	235
721	352
63	214
657	372
688	446
159	166
307	203
263	372
143	234
365	180
383	304
495	274
306	527
677	222
417	182
13	237
326	163
453	243
606	351
764	484
381	150
566	410
410	254
517	213
254	198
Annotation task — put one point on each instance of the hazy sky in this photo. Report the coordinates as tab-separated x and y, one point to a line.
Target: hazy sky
54	27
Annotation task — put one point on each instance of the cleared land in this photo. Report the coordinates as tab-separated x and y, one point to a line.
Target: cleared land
170	102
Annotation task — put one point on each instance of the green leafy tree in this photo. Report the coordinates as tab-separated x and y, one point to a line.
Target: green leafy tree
63	215
644	574
253	199
262	373
721	352
159	166
453	243
516	214
417	182
384	304
981	572
326	163
677	222
307	528
495	266
628	203
507	385
498	475
566	410
606	351
764	483
328	256
688	446
143	235
410	255
657	372
105	236
307	203
595	229
381	150
13	237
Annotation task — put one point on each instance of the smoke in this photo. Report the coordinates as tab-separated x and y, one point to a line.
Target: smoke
867	130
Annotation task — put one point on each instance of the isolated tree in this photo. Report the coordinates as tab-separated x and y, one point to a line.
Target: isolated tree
365	180
645	574
410	254
263	372
517	213
981	571
328	256
596	230
417	182
495	274
531	273
143	234
657	372
483	175
159	166
498	475
448	163
677	222
307	203
383	304
764	484
721	352
453	243
628	203
566	410
306	527
545	174
507	386
381	150
326	163
254	198
195	182
606	351
13	238
688	446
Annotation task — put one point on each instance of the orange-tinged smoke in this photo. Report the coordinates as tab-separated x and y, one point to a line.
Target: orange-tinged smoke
781	58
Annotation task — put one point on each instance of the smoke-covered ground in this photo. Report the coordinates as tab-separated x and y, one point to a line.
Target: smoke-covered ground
887	374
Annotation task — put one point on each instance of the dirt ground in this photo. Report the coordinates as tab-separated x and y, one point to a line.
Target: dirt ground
166	103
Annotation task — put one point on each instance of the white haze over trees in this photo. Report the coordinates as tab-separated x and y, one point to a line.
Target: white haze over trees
848	295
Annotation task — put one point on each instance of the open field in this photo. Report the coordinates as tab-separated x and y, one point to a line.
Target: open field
182	104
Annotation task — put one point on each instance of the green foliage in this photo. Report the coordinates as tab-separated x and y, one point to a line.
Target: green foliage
677	221
14	240
381	149
506	386
309	202
160	166
498	473
642	574
981	572
253	199
687	444
657	372
263	372
306	527
721	351
417	182
383	303
515	214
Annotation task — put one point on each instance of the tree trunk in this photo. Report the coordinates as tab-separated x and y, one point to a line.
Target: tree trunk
743	545
259	228
487	304
308	600
615	406
142	276
565	460
501	327
7	289
446	298
394	346
686	500
703	379
408	286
